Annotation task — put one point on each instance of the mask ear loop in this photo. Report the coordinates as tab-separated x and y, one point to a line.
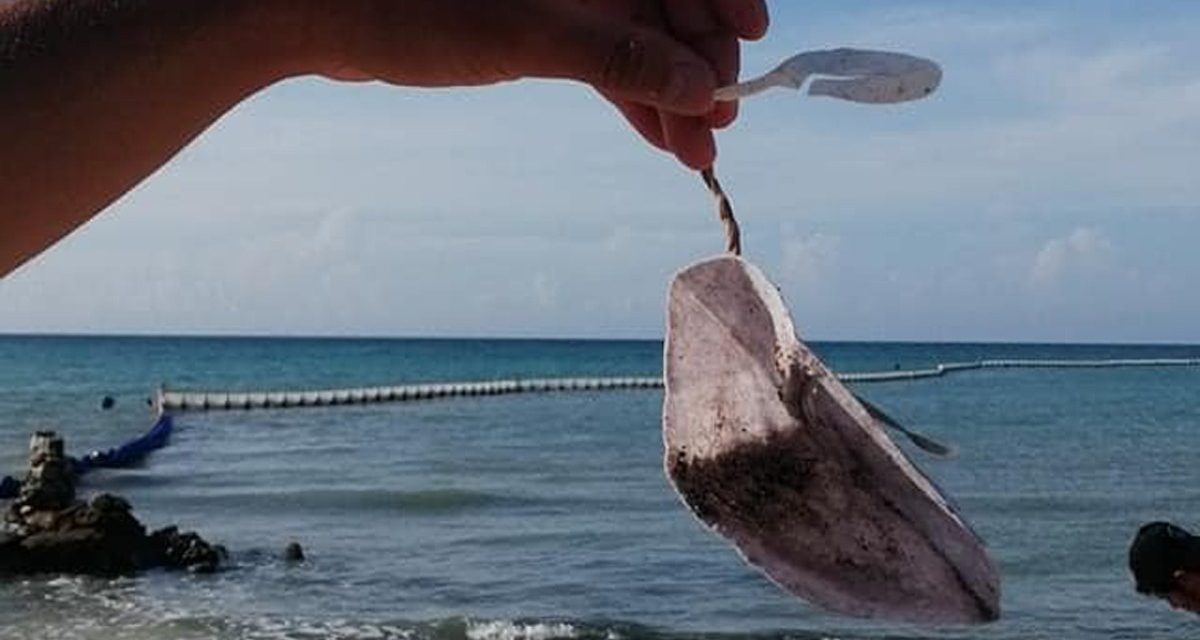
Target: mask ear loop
860	76
733	235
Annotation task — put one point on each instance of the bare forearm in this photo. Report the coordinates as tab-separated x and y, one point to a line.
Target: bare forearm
97	94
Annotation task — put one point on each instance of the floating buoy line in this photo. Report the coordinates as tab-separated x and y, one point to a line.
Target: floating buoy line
176	400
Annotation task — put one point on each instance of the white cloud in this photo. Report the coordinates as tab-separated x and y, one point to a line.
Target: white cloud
530	209
1085	251
545	291
808	261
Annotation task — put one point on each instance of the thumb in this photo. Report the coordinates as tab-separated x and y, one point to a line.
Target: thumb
621	59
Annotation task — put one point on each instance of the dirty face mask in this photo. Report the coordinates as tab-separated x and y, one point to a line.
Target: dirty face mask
773	453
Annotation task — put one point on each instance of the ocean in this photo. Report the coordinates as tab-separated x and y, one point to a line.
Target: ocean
546	516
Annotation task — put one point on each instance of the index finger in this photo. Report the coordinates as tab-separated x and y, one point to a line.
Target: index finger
698	23
747	18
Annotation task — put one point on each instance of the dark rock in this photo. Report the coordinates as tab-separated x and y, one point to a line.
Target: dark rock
97	538
187	550
10	552
47	531
48	484
107	402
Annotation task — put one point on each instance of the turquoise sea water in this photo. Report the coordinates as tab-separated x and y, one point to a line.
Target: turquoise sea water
546	516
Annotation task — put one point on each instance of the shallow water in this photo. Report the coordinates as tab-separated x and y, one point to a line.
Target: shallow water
546	516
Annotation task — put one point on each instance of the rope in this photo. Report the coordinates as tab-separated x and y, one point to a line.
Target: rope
733	235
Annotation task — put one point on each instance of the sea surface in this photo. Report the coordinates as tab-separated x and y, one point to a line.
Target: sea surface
548	516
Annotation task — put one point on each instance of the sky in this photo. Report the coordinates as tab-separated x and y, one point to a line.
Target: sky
1047	192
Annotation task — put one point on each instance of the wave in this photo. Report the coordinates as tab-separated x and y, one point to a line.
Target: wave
324	500
84	608
267	628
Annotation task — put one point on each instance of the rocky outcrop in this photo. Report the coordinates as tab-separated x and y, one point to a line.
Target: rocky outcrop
174	549
48	485
46	530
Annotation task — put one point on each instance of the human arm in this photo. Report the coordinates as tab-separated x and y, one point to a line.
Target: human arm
95	95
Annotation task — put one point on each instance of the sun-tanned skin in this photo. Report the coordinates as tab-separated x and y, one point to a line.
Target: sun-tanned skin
1186	594
96	95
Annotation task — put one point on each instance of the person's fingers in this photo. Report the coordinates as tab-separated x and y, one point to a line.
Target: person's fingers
725	54
747	18
645	119
628	62
691	18
696	23
690	139
644	12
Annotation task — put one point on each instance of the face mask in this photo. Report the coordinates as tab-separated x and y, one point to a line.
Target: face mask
773	453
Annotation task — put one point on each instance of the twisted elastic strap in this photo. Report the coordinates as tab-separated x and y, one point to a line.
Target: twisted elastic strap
733	235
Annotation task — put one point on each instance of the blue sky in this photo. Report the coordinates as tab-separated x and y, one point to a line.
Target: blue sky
1047	192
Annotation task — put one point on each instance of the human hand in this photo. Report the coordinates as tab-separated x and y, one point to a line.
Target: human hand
712	28
658	61
82	73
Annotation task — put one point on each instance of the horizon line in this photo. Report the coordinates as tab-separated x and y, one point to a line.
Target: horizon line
512	338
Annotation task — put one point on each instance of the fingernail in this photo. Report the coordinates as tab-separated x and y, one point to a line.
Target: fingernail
751	21
689	89
722	115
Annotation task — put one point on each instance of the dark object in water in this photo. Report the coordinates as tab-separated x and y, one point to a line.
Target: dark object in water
1158	552
9	487
100	537
107	402
772	452
293	553
184	550
126	455
45	530
131	452
48	485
